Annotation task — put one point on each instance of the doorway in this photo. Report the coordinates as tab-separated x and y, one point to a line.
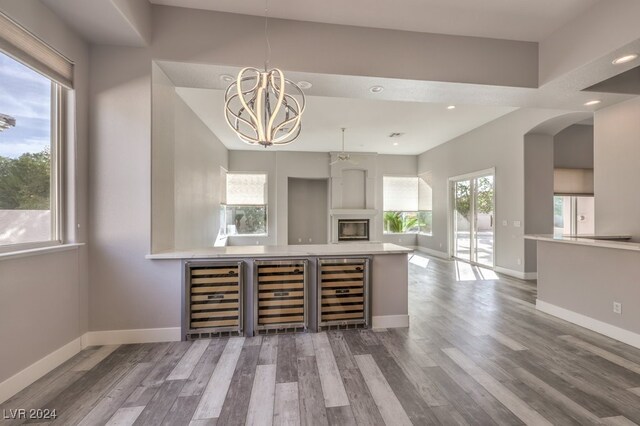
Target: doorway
472	217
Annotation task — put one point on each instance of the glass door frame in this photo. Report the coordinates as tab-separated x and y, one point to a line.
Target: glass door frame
451	212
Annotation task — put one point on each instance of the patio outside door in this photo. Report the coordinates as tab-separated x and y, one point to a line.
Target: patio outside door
473	218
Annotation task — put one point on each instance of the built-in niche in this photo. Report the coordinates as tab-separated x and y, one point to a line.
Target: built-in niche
308	211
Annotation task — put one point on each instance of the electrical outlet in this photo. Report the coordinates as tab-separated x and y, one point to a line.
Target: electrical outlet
617	308
299	240
505	223
310	240
440	245
519	261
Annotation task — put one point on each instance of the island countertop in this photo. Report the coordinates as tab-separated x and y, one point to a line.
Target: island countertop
307	250
604	241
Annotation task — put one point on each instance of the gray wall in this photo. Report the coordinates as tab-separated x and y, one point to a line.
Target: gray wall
163	101
573	147
538	192
198	158
185	172
616	169
498	144
587	280
308	211
43	298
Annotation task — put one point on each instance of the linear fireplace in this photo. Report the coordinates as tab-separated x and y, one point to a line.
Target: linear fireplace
353	229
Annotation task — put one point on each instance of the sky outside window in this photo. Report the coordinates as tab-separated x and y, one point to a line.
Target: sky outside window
26	96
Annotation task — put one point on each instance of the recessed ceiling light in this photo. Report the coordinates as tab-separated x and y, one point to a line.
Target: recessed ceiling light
304	85
376	89
226	78
451	107
593	102
395	144
624	59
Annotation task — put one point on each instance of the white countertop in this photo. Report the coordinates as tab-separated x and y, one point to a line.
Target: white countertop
604	241
283	251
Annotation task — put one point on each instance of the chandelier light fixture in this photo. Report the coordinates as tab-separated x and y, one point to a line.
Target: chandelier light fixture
258	107
6	122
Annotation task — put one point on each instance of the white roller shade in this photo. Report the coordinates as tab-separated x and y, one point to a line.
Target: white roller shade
425	193
246	189
400	194
573	181
30	50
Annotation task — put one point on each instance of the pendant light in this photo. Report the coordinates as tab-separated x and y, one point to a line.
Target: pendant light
263	107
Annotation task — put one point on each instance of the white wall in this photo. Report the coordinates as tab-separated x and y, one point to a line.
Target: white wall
616	169
498	144
43	298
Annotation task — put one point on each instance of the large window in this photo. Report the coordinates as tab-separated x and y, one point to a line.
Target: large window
407	204
245	209
29	170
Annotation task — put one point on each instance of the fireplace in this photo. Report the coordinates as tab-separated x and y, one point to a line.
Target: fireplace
353	229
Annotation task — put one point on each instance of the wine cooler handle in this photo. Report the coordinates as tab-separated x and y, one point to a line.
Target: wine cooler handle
280	293
215	296
342	291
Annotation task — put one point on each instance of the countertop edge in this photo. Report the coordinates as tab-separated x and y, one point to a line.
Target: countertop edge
619	245
195	254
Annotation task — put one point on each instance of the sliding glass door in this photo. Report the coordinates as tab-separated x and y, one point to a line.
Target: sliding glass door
473	217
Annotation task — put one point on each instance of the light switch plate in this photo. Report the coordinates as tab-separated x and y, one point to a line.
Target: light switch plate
516	223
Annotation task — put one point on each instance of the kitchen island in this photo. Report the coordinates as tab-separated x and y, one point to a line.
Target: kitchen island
593	282
370	276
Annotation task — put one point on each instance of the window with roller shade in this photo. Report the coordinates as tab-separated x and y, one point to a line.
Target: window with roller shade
400	204
34	79
244	211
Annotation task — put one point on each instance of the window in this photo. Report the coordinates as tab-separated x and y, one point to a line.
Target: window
245	209
573	215
400	204
29	170
407	204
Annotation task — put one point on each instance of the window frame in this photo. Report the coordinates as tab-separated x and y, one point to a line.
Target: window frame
404	212
57	197
224	205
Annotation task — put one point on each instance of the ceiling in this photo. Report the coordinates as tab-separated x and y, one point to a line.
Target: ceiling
505	19
368	122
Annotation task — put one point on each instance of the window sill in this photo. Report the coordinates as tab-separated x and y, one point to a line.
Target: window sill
425	234
39	251
400	233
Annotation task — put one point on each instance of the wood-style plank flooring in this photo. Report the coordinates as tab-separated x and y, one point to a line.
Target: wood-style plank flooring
477	353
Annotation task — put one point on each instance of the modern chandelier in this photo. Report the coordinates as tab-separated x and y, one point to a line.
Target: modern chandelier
258	107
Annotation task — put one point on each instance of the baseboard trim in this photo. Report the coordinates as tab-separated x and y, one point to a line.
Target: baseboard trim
30	374
122	337
391	321
516	274
431	252
612	331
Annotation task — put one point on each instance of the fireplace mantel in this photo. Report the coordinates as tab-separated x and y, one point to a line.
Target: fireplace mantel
363	213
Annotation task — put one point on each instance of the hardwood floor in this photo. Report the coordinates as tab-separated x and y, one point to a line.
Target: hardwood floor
477	353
